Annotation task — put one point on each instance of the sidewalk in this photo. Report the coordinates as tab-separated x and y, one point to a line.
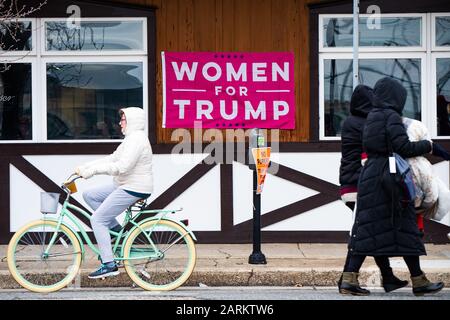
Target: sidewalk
287	265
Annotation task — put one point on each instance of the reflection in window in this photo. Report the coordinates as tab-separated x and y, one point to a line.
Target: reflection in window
15	102
338	86
83	99
442	31
15	36
443	96
94	36
393	32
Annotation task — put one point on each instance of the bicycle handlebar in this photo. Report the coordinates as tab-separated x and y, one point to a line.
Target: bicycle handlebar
71	180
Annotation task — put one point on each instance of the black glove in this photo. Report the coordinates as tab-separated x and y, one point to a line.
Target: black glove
439	151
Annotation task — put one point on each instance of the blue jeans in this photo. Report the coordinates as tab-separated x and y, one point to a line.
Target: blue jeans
108	202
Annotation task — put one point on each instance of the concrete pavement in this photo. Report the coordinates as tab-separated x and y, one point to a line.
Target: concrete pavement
298	265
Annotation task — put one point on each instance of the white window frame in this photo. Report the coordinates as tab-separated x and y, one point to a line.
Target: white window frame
362	56
85	59
433	31
23	53
423	16
34	98
39	58
45	52
433	95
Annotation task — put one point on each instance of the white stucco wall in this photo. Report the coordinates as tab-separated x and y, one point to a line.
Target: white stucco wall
201	202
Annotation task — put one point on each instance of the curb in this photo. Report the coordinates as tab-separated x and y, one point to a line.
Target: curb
214	278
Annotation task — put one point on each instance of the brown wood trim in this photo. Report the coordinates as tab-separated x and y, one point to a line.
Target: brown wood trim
273	237
181	185
287	212
226	197
436	232
4	200
314	76
164	148
308	181
45	183
89	8
151	76
161	148
387	6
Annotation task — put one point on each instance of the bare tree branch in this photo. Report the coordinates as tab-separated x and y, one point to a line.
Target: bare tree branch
15	35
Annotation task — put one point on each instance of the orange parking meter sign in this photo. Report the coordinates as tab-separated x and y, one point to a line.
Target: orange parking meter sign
261	156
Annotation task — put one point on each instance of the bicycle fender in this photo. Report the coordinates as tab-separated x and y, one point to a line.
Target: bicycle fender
74	232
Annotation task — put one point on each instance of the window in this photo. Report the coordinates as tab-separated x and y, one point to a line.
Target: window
441	31
442	65
440	74
80	78
338	85
394	33
17	37
402	49
16	101
114	36
83	98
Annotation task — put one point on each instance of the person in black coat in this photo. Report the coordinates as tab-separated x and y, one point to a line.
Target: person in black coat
361	104
383	226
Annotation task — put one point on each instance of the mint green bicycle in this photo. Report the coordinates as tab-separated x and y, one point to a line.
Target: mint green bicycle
158	253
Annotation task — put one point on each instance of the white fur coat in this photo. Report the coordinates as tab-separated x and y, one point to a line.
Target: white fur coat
428	186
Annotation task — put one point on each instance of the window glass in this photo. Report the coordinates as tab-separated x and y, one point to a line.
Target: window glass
94	36
393	32
338	86
443	96
83	99
442	31
15	101
15	36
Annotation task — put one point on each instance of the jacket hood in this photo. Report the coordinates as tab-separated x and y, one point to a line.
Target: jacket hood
135	119
389	94
362	101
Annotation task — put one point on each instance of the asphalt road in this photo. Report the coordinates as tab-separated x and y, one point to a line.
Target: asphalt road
217	293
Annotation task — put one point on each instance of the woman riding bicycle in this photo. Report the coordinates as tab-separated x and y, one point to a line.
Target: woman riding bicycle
131	166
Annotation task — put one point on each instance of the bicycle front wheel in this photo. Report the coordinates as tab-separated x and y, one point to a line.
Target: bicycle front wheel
166	264
40	271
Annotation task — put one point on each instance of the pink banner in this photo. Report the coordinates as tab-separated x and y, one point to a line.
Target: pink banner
228	90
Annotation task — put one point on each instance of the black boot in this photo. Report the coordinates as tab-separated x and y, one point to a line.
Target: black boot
391	283
350	285
422	286
339	283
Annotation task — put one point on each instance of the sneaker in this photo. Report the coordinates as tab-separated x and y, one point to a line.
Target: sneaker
448	236
108	269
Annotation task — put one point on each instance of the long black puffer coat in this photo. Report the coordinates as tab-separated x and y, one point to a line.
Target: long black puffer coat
381	227
351	136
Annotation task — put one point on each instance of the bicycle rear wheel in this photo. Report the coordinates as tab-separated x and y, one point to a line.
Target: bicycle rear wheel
40	272
170	265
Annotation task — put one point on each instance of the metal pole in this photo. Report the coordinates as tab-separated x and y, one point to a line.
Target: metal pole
355	43
257	257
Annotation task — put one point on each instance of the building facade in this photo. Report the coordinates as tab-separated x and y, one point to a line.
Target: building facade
75	63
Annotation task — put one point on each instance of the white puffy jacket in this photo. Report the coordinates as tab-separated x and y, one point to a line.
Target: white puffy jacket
131	163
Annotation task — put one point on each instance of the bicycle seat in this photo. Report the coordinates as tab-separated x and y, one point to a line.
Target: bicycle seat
138	205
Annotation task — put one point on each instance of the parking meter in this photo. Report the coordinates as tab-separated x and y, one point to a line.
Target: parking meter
256	140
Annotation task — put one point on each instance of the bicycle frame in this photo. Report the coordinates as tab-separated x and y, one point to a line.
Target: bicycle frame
128	219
